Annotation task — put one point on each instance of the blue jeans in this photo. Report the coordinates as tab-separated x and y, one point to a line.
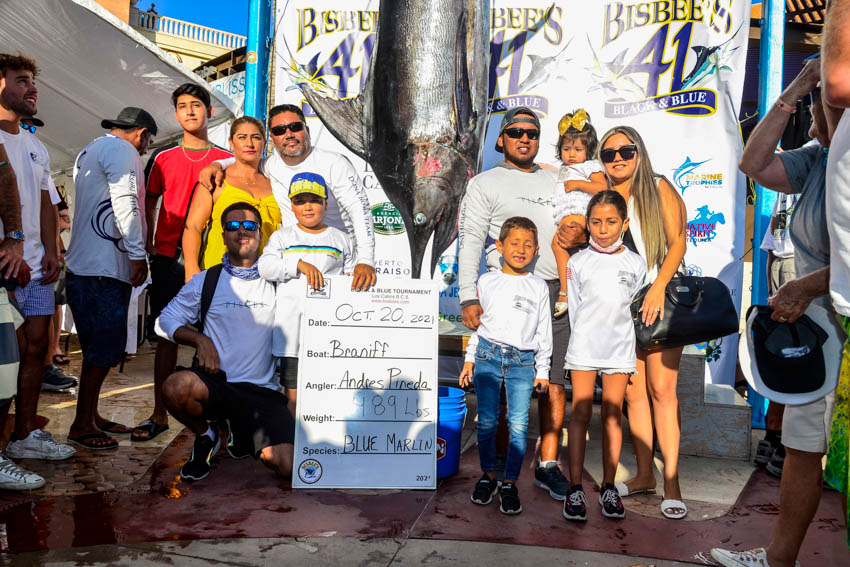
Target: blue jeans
493	365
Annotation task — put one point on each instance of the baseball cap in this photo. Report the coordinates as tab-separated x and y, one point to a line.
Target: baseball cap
525	115
38	123
307	182
130	117
784	362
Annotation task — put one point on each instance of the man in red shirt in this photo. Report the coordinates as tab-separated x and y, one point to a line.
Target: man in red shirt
171	174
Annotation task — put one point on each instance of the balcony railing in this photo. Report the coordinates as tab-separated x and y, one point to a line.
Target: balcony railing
186	30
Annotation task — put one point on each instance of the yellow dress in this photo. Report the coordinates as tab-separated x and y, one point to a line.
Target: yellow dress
269	214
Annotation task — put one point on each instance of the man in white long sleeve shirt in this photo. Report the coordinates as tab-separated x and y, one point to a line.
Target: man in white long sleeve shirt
233	378
348	206
106	259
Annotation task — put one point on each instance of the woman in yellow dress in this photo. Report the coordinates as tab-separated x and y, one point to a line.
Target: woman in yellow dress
244	183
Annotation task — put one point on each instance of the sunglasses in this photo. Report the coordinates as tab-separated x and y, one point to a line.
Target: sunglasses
28	127
518	133
249	225
281	129
626	152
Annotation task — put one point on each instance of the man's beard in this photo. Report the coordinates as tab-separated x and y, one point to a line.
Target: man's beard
520	160
19	107
301	149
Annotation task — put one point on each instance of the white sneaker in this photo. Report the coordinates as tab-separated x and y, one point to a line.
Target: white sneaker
13	477
751	558
39	444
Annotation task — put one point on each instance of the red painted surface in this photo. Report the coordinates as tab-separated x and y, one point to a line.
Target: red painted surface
242	499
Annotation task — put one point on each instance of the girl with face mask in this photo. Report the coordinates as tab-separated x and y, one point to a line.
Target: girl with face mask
602	280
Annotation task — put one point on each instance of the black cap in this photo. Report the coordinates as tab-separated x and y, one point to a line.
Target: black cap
131	117
34	121
525	115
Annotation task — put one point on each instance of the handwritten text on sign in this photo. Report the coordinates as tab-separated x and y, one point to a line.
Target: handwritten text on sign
367	386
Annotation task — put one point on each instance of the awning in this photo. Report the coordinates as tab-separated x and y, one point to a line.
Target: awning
92	64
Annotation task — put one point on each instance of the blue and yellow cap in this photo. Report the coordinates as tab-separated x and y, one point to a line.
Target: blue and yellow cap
307	182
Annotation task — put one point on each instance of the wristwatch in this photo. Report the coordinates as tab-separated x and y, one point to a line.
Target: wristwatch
15	235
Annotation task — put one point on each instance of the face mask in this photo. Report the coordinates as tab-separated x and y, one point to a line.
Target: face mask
607	249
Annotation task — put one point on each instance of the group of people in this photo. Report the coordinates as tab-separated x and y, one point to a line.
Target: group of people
567	250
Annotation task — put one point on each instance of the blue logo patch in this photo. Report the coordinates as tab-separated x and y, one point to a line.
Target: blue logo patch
686	175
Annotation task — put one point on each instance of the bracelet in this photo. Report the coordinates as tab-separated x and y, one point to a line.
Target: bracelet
4	163
785	107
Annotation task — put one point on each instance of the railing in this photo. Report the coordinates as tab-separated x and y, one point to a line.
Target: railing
178	28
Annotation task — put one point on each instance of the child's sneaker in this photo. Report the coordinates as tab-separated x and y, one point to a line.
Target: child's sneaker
550	477
764	452
485	488
575	505
509	499
612	506
562	305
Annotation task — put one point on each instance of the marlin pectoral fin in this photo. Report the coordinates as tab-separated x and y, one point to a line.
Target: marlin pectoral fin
344	118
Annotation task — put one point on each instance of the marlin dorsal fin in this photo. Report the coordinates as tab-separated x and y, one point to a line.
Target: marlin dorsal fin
344	118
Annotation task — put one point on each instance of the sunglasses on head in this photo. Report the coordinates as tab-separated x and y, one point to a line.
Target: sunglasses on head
281	129
518	133
249	225
626	152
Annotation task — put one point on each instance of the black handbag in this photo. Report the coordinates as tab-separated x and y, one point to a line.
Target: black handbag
696	309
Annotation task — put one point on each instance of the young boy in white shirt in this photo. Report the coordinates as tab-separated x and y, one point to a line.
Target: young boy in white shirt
513	345
309	248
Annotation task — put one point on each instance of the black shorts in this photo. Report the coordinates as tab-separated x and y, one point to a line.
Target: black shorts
99	306
289	372
167	278
257	415
560	337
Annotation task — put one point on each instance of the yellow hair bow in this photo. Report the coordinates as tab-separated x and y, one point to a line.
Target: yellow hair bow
577	121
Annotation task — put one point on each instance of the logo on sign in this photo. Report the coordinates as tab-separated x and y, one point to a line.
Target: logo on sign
686	175
310	471
635	82
441	448
387	219
448	269
694	270
703	227
323	292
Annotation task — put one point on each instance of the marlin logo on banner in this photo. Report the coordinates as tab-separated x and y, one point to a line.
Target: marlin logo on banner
685	176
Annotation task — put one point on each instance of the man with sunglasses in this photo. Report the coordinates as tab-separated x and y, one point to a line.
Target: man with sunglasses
233	379
348	207
517	186
106	259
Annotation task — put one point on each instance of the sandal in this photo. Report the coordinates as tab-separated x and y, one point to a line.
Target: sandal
623	490
674	509
86	441
150	427
60	359
114	428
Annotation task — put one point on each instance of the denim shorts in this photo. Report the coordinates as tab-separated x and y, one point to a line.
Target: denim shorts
99	306
568	366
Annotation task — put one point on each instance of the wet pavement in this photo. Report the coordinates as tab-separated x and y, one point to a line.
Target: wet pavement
131	507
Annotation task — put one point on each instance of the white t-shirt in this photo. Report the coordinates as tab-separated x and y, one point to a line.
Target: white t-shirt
239	322
516	313
778	239
838	215
330	251
600	288
109	223
31	163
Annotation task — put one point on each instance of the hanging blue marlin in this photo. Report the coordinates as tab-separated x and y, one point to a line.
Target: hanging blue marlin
420	118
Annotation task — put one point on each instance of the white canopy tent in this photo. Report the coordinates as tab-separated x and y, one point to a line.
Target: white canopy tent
92	64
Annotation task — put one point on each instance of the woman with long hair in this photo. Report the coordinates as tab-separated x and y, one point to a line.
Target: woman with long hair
243	183
658	233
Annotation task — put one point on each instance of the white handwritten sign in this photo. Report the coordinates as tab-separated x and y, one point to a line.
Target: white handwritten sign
367	386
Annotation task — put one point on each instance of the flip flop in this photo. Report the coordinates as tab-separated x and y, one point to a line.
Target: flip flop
151	427
85	441
111	428
623	490
672	504
60	359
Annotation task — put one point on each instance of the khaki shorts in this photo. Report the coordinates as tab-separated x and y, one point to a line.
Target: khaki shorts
806	427
781	271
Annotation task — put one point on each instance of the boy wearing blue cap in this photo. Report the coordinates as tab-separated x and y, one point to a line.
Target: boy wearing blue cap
310	249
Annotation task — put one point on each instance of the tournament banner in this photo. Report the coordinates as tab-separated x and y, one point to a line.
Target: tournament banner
367	392
672	69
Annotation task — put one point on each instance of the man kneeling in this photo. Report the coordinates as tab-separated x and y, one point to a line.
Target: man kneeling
232	378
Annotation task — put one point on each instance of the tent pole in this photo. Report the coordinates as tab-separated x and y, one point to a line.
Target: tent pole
770	87
257	58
